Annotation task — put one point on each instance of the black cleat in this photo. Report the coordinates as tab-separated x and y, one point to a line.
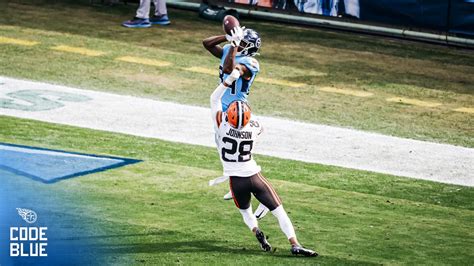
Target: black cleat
299	250
263	241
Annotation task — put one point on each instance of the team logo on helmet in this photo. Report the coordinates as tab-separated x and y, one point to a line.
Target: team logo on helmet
251	43
238	114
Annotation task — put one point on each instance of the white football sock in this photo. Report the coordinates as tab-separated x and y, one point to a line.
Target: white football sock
261	211
249	218
284	221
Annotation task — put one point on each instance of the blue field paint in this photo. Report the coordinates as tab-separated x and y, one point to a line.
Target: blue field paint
73	234
49	166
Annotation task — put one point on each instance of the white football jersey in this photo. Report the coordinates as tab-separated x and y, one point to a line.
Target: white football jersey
235	148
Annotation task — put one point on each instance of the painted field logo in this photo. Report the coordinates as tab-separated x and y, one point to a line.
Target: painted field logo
39	100
28	215
28	241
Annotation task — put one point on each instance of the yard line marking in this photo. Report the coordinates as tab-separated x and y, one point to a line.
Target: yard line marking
77	50
356	93
143	61
6	40
464	110
413	102
317	73
201	70
331	145
280	82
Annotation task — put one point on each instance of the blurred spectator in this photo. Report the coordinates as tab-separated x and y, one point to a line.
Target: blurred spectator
332	8
142	20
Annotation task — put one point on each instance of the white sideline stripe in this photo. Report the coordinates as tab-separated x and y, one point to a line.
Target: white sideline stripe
282	138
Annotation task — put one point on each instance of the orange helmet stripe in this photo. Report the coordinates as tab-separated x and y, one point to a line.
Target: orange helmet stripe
238	114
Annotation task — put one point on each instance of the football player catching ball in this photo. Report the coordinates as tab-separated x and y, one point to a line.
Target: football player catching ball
236	131
239	53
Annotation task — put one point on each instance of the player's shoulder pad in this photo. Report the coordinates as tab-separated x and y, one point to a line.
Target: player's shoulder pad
256	126
251	63
254	123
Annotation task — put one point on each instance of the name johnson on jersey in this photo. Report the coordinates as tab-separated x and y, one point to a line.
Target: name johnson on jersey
236	146
239	134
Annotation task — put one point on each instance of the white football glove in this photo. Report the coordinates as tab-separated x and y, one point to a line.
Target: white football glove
237	35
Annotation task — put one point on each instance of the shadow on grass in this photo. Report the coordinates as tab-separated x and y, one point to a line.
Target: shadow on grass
129	244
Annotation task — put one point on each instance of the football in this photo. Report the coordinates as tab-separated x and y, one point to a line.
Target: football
229	23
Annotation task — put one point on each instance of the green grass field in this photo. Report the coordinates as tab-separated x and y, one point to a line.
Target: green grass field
385	67
172	216
161	211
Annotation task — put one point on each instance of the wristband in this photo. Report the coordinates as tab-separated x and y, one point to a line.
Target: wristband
233	76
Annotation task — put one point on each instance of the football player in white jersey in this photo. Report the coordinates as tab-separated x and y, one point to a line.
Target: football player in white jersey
240	52
236	131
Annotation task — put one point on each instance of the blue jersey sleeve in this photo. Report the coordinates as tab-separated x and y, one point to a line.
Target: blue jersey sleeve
225	51
251	64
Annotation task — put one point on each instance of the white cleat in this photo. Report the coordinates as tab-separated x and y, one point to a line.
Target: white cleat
228	196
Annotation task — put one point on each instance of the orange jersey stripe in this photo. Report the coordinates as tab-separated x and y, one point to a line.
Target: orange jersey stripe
272	191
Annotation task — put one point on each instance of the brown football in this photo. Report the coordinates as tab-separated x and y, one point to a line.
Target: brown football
229	23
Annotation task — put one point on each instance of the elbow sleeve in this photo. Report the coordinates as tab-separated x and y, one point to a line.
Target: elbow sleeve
216	96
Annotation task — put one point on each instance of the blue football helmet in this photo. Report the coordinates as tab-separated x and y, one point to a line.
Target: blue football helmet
251	43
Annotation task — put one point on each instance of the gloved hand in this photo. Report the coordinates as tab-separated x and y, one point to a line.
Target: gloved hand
237	35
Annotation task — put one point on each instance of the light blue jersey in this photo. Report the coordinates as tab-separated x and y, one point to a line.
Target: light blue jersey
240	89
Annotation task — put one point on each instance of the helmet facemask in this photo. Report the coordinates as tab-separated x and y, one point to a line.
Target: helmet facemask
245	46
249	47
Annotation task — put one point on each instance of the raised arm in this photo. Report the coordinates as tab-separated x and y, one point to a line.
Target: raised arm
216	96
229	64
229	61
212	45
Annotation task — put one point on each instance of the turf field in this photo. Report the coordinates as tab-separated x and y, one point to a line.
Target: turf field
162	211
170	215
315	61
